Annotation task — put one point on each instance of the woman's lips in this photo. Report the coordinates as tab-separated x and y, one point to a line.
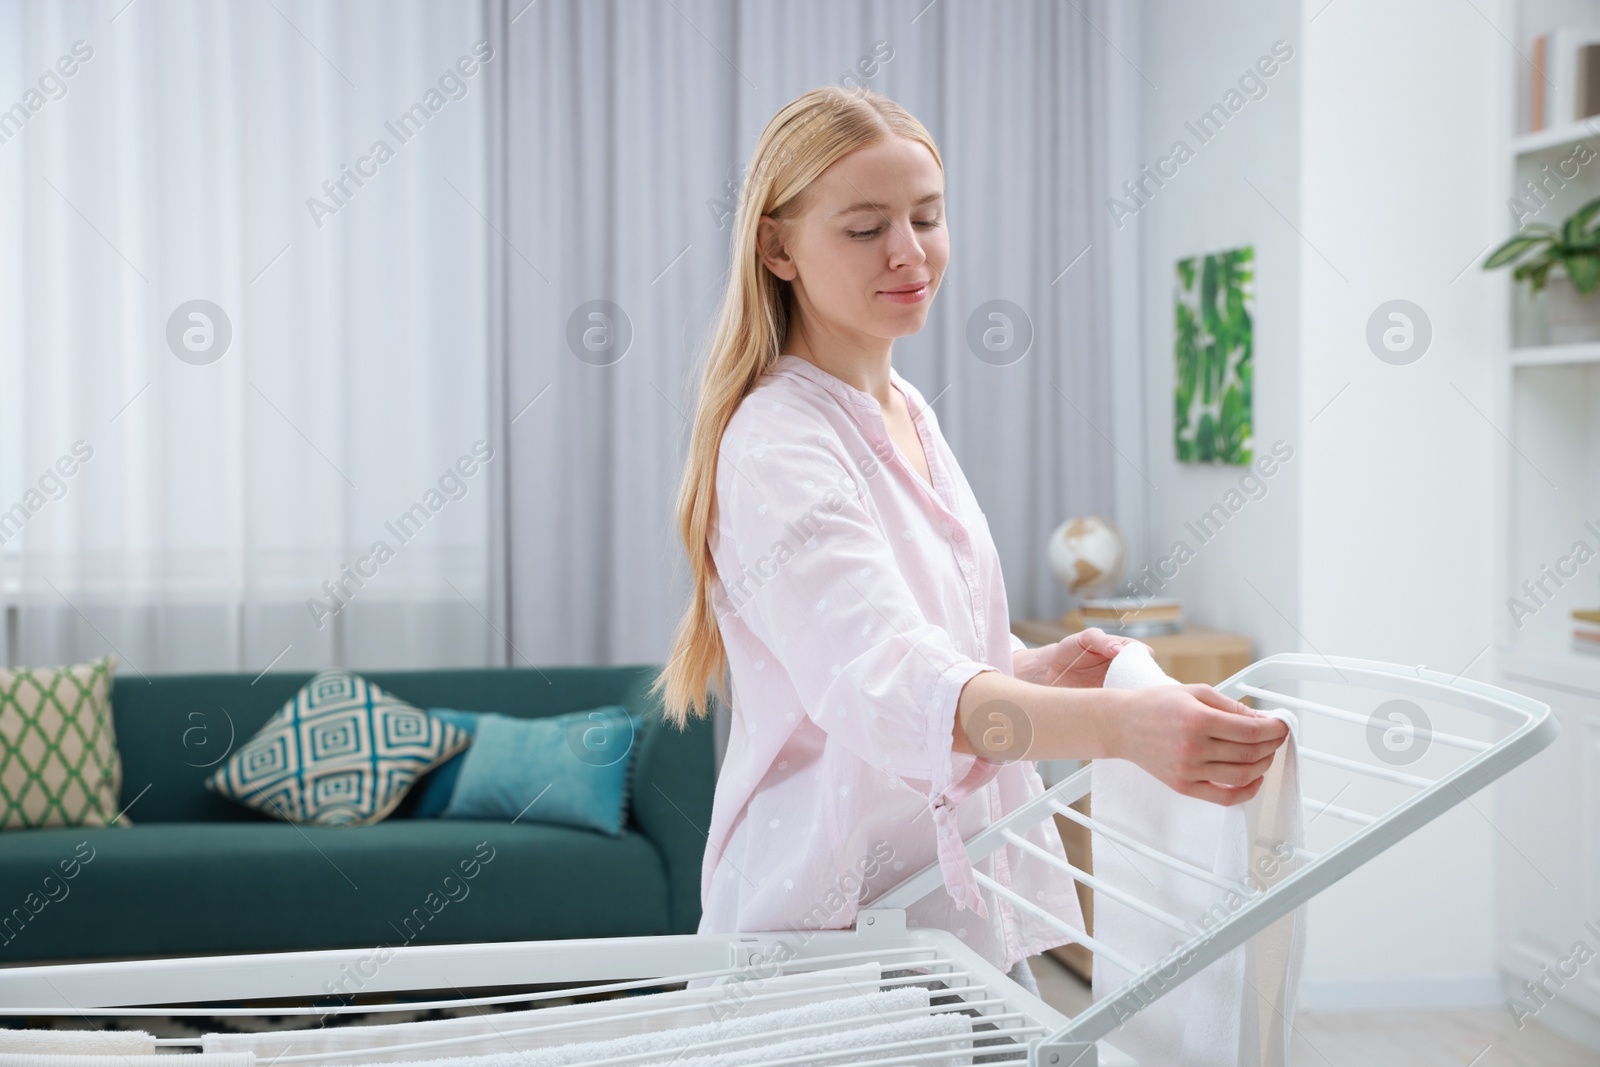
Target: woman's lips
913	296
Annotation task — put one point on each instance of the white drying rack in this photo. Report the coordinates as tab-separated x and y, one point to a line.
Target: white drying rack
1009	1024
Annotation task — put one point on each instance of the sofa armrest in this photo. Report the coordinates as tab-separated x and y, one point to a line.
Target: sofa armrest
674	779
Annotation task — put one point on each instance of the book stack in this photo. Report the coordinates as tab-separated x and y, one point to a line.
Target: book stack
1565	77
1131	616
1586	634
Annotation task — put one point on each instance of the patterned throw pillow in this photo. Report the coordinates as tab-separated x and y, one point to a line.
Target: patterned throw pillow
58	751
341	752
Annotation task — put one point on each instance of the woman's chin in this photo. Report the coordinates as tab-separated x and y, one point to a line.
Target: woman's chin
910	320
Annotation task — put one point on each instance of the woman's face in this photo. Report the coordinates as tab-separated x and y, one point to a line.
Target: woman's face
875	224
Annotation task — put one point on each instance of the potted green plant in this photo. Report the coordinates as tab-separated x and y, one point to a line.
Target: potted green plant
1565	265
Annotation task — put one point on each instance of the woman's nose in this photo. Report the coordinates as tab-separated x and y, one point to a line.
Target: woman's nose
904	246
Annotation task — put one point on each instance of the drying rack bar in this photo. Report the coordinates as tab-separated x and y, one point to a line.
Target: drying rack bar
1298	704
1330	808
1099	885
1055	921
1182	867
1388	774
101	989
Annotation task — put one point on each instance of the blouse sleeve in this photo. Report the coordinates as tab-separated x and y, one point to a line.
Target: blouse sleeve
1017	644
819	585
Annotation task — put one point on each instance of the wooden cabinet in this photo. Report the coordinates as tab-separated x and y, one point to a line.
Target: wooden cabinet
1194	654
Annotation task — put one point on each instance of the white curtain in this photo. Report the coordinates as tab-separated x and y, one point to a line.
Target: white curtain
380	330
183	505
617	149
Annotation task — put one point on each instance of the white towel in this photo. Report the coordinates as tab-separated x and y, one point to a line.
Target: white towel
602	1019
846	1016
1239	1011
66	1042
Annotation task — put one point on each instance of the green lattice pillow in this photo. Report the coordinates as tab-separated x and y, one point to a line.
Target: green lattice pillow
58	752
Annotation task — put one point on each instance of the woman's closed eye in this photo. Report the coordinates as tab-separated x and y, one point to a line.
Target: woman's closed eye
928	225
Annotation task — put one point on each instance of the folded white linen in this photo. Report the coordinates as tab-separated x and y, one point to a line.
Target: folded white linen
92	1042
591	1021
1239	1011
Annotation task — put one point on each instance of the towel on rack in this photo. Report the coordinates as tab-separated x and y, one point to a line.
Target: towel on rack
753	1036
591	1021
82	1042
1239	1011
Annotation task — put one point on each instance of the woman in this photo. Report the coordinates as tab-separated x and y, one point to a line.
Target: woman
844	577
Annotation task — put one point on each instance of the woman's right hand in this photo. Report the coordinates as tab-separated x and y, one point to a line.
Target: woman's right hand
1197	741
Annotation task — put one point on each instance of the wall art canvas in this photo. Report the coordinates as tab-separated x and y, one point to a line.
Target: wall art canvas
1214	308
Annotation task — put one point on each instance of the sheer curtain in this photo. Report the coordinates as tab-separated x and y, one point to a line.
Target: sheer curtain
243	349
387	312
616	151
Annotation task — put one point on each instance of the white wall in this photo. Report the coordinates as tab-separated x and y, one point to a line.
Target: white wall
1192	55
1401	170
1361	176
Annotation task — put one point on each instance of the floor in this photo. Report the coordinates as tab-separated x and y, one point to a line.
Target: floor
1484	1038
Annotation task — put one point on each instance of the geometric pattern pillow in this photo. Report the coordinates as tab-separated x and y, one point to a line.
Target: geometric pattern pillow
341	752
58	751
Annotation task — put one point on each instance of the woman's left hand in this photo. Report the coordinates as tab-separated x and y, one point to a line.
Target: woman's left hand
1078	660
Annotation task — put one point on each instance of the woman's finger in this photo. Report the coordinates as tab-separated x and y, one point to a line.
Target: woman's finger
1217	750
1101	643
1211	698
1247	729
1225	795
1235	774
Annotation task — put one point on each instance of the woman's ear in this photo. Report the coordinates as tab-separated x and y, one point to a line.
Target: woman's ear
770	247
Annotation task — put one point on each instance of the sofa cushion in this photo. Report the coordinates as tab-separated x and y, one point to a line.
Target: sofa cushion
59	764
190	888
569	770
340	752
429	797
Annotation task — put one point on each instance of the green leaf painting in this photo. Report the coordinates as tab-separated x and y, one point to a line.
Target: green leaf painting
1214	303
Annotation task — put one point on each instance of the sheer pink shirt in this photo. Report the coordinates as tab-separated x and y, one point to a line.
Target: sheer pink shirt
854	602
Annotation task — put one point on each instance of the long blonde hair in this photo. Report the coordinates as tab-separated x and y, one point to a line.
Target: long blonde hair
805	138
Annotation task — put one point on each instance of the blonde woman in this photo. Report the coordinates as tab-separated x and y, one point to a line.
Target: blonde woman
844	579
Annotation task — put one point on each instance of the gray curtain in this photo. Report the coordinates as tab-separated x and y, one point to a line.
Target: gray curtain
618	135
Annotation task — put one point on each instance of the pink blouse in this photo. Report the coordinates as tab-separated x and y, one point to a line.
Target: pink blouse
854	602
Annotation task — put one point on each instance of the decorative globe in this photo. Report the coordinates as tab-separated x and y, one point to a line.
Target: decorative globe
1089	555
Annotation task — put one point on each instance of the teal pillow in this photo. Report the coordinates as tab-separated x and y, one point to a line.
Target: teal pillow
569	770
341	752
431	796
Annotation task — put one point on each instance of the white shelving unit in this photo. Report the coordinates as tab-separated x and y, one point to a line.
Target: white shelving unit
1551	355
1559	137
1547	859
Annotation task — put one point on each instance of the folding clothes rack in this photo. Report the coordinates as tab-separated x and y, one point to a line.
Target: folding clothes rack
1008	1025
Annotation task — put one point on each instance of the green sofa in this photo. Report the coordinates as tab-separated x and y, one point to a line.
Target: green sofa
197	873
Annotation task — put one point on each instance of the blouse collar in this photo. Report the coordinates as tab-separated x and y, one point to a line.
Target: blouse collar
844	390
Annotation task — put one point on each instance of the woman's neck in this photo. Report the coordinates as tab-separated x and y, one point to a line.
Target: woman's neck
867	370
